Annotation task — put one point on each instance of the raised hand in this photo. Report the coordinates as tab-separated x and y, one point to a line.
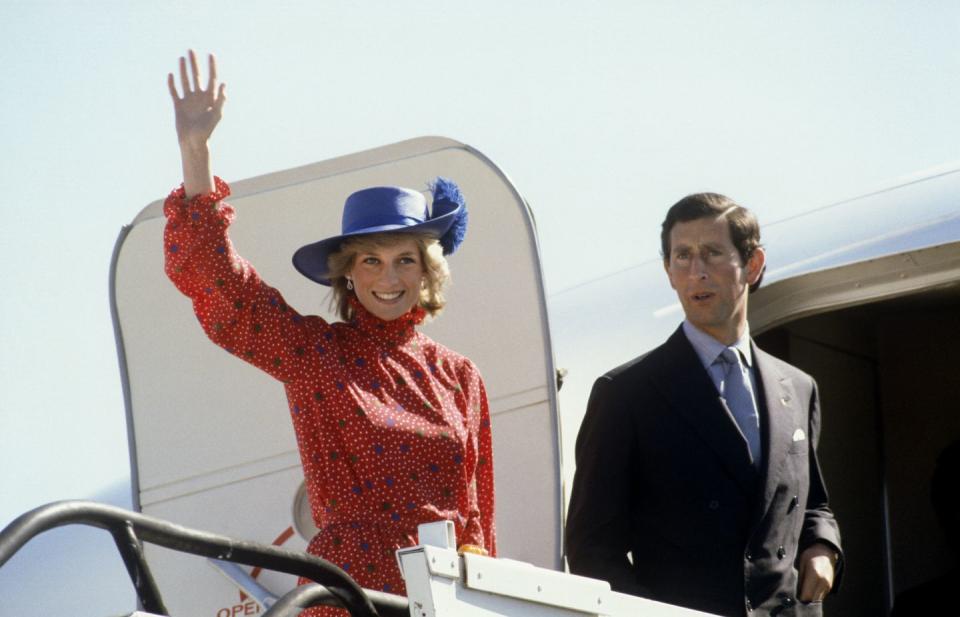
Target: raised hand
197	113
199	109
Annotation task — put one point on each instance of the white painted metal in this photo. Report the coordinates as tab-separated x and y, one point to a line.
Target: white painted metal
439	533
523	581
441	583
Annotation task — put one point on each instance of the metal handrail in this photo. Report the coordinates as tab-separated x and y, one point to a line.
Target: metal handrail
306	596
129	529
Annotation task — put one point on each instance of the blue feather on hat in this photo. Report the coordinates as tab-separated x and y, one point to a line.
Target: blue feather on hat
447	198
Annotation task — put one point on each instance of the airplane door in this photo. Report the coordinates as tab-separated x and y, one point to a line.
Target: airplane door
211	442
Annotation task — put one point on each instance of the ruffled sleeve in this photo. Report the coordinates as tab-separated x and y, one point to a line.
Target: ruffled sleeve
237	310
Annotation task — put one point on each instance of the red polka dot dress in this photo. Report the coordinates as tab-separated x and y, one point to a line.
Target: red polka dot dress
393	428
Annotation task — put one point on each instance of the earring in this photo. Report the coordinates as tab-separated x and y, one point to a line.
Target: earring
350	284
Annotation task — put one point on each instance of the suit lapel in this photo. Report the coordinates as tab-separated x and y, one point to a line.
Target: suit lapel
691	393
781	402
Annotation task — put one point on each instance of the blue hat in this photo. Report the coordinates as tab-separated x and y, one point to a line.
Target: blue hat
390	209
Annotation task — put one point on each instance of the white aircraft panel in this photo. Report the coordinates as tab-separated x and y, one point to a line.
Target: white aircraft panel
191	585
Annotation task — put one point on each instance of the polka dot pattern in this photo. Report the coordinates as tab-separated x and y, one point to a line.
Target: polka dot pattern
393	428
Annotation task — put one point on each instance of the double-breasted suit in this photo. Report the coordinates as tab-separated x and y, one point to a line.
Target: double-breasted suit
664	473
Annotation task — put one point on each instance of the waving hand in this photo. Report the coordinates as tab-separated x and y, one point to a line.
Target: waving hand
198	110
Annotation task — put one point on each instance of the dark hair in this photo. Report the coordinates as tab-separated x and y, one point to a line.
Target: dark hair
744	229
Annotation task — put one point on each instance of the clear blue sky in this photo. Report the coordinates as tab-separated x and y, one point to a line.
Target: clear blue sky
602	113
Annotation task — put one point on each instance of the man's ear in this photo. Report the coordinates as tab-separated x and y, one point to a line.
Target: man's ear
755	265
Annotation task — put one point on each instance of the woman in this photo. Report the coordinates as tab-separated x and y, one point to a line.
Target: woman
393	428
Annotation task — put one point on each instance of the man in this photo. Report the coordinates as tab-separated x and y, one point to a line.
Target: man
697	480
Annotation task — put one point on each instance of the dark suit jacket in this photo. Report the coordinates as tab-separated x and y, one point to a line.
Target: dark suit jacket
664	473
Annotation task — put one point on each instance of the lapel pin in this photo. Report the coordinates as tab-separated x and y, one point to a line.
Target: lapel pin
799	435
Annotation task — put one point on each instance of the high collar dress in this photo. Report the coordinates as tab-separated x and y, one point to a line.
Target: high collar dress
393	428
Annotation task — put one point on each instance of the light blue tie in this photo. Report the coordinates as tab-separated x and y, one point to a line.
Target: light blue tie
736	391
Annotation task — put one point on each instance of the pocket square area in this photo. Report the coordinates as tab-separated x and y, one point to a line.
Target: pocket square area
799	435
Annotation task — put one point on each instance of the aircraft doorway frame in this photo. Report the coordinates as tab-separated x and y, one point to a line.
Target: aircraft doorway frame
791	303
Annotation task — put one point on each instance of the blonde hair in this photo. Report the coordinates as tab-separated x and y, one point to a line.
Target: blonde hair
436	272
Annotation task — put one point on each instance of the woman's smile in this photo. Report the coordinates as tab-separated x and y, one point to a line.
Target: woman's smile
387	296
